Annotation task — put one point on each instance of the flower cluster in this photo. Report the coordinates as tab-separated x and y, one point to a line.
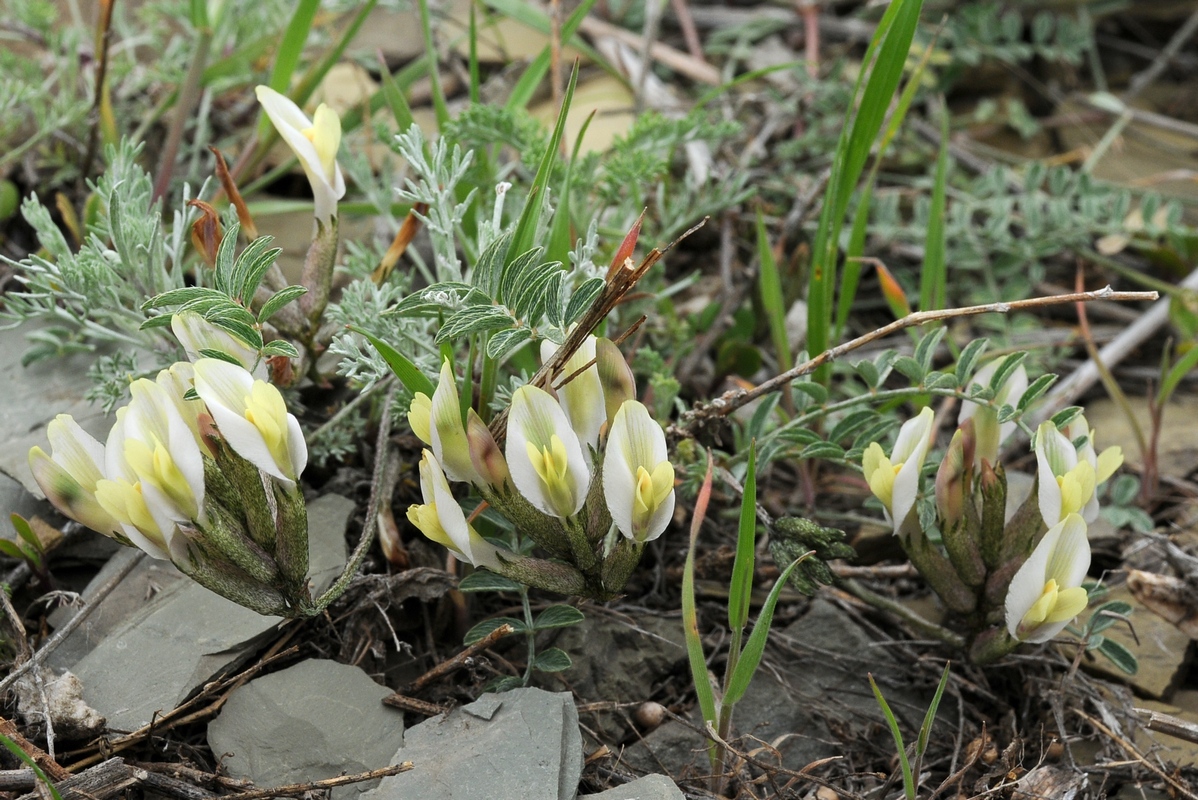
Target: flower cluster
1018	572
581	464
200	468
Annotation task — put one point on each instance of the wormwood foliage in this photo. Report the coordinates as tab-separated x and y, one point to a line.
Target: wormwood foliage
93	294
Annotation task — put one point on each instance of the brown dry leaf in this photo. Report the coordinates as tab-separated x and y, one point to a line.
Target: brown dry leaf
1170	598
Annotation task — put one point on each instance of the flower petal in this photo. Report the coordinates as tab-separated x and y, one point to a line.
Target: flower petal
582	396
293	126
535	421
448	434
636	444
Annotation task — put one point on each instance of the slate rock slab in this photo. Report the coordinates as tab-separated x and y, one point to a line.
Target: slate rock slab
621	661
650	787
36	394
809	694
520	745
1164	652
137	657
315	720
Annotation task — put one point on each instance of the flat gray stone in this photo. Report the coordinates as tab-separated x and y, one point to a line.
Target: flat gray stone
16	499
520	745
136	658
620	661
316	720
36	394
650	787
810	693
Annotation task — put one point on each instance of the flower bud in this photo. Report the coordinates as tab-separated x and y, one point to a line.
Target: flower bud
485	454
580	391
544	455
615	376
638	478
69	476
420	417
197	334
252	418
441	519
954	479
447	434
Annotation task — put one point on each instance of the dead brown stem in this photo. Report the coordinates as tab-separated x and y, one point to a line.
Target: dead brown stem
737	398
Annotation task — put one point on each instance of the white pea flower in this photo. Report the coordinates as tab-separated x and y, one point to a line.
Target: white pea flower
196	333
447	433
543	453
990	434
253	419
895	480
1046	593
638	478
68	476
441	519
1104	463
154	471
314	142
1066	482
582	396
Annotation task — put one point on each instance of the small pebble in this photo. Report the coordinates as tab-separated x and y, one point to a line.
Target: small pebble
649	715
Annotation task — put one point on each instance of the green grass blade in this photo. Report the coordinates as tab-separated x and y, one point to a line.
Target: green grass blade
740	589
904	762
750	657
851	277
295	36
1178	371
891	44
393	96
29	762
316	73
925	730
933	280
526	87
690	620
526	227
430	52
771	297
560	239
407	372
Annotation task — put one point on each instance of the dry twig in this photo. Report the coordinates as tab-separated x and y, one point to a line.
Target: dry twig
298	789
732	400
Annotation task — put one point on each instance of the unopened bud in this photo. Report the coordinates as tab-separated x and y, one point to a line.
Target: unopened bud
954	501
955	475
485	454
615	377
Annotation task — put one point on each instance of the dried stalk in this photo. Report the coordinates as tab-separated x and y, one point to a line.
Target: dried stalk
732	400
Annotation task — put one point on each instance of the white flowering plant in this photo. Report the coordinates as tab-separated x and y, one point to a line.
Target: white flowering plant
1010	573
